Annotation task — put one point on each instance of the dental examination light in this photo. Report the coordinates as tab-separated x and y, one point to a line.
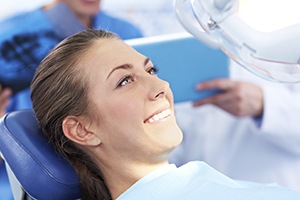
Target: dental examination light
273	54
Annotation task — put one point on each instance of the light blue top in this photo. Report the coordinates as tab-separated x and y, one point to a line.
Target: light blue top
197	180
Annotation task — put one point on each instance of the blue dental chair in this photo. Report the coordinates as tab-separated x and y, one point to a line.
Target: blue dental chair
34	164
37	171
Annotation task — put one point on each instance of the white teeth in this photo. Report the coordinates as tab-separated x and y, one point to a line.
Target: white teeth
160	116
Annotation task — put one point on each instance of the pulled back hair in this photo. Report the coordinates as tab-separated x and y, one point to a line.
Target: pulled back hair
59	89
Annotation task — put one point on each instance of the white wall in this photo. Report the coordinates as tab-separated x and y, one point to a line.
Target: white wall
153	17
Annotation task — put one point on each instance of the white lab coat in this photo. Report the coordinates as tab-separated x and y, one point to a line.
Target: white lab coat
240	148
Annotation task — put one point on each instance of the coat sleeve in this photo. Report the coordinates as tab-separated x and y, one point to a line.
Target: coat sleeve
280	122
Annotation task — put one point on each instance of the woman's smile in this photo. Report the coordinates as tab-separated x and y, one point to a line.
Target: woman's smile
159	116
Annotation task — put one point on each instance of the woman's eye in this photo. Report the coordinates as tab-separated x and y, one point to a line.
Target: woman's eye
153	70
126	80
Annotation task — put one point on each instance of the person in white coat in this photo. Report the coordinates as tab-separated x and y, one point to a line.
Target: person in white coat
249	132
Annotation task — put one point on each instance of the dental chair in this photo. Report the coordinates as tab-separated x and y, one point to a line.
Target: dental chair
37	171
32	162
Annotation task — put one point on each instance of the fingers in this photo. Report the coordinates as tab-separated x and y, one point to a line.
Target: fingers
227	101
219	84
237	98
220	100
224	85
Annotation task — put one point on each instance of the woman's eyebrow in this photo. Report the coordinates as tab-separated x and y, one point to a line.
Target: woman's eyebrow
126	66
146	61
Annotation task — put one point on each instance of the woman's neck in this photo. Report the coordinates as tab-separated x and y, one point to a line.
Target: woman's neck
86	21
120	177
49	6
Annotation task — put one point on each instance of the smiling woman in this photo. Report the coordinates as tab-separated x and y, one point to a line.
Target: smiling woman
102	106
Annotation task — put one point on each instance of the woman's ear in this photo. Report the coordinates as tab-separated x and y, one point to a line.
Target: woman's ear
75	129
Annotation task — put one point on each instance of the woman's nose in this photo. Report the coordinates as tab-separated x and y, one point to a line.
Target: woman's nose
159	88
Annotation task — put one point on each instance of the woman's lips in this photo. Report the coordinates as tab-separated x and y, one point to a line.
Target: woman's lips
158	116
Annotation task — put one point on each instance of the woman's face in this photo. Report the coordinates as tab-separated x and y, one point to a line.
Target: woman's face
134	108
83	8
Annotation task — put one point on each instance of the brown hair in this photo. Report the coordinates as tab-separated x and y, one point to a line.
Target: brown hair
59	90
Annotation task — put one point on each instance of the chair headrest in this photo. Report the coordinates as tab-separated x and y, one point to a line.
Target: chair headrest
41	171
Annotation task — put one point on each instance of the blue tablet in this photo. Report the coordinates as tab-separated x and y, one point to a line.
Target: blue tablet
183	61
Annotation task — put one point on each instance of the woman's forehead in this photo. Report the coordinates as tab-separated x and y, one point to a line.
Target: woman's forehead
109	48
112	52
106	54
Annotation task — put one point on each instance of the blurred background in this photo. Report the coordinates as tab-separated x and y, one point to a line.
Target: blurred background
153	17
